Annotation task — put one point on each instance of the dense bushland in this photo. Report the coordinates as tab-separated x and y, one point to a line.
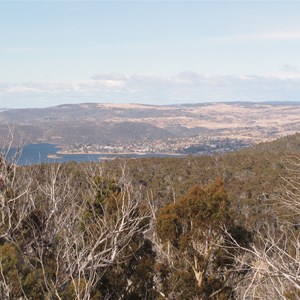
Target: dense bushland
210	227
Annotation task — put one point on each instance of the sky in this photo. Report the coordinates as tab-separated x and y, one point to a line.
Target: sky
153	52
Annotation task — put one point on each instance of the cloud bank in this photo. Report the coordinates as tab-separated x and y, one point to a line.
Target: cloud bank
185	87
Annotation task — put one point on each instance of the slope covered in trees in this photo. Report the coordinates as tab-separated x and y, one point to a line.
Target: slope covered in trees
208	227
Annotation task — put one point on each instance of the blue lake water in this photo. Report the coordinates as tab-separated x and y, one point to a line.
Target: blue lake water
38	153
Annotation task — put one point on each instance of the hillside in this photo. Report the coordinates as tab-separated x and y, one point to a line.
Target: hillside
195	227
183	125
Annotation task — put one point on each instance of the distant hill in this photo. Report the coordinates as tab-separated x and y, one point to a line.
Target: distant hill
119	123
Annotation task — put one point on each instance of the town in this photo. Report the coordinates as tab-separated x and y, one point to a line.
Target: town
172	146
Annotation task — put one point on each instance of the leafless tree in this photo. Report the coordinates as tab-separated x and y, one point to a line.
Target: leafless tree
84	242
272	264
15	202
44	214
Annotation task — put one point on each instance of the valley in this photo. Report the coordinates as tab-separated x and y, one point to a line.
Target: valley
138	129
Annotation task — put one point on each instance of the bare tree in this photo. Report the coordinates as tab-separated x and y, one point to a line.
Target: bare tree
83	241
272	264
16	203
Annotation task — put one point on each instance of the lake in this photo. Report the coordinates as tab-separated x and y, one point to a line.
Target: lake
39	153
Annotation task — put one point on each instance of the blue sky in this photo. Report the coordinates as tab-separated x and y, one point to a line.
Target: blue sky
156	52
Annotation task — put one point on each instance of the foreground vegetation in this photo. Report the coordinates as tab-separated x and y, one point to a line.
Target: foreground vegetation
209	227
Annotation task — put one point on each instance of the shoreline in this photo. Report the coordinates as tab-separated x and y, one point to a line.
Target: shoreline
115	153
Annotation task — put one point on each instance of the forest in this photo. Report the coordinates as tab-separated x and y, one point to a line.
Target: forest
219	227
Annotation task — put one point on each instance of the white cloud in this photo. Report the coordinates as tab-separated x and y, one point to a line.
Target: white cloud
262	36
284	35
111	77
290	69
179	88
